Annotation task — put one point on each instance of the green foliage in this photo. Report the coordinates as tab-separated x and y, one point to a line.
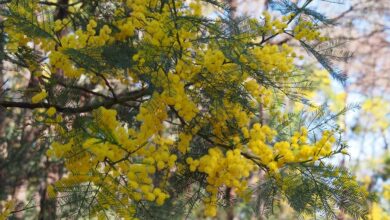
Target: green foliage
326	61
327	187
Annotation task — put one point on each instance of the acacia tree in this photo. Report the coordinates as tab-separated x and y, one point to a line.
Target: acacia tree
155	109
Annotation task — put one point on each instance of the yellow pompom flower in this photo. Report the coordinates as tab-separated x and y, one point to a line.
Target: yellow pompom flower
39	97
51	111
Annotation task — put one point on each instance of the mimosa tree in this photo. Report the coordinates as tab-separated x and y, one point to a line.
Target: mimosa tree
155	108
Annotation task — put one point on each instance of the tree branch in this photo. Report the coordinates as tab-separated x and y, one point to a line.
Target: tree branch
132	96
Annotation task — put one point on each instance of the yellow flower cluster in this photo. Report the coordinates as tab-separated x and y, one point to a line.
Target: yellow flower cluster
103	150
59	150
213	60
140	183
272	58
386	192
103	38
298	149
106	118
39	97
196	8
221	116
161	154
230	170
61	61
6	208
16	38
305	31
259	135
129	25
259	93
60	24
175	95
156	35
377	110
184	142
186	70
321	148
274	26
377	212
51	111
152	114
77	40
117	152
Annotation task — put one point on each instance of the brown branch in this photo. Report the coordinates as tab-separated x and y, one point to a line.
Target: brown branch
83	89
132	96
107	84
